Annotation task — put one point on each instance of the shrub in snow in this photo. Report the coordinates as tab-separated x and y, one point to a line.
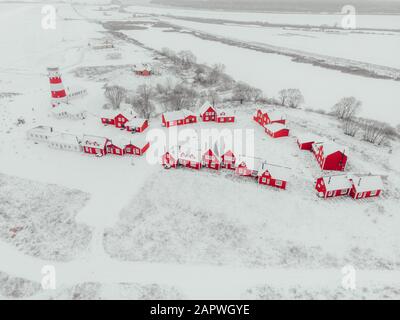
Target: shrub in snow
346	108
16	288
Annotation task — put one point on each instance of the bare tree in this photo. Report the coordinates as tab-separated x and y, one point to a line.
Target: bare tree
283	96
180	97
346	108
375	132
213	97
290	98
142	101
115	95
187	59
351	127
242	92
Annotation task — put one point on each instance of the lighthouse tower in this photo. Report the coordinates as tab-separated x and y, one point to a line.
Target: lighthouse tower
58	94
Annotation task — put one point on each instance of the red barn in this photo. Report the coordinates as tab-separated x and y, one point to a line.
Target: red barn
224	116
208	112
210	158
273	175
137	125
365	186
95	145
189	157
305	142
334	186
170	158
330	156
178	118
247	166
276	130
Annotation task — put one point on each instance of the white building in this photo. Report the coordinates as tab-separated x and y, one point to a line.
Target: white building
65	141
40	133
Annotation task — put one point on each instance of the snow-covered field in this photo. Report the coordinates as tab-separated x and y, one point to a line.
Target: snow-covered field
122	228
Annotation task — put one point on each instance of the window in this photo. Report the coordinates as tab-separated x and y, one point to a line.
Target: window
344	191
278	183
264	180
374	193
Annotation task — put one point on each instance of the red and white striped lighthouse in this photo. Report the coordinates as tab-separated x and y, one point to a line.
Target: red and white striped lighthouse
58	93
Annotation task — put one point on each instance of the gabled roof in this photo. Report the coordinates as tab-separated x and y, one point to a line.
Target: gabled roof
367	183
42	130
67	138
205	107
224	113
250	162
337	182
308	137
177	115
189	152
275	127
331	147
263	110
135	122
275	115
120	141
142	67
276	172
94	141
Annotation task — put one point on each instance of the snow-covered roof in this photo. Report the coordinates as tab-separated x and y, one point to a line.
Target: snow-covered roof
367	183
337	182
177	115
205	107
332	147
225	113
189	152
276	172
142	67
135	122
263	110
94	141
67	138
275	115
308	137
139	141
250	162
120	141
275	127
42	130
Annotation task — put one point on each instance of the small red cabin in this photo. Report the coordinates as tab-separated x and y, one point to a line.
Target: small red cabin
189	157
334	186
273	175
170	158
137	125
228	160
120	120
264	116
276	130
178	118
366	186
224	116
137	147
247	166
330	156
142	69
208	112
116	148
305	142
95	145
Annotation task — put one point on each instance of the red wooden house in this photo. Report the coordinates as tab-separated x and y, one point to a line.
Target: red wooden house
365	186
225	116
273	175
333	186
178	118
137	125
247	166
330	156
170	157
137	147
117	145
208	112
142	69
305	142
95	145
276	130
264	116
210	158
118	120
107	117
189	157
260	116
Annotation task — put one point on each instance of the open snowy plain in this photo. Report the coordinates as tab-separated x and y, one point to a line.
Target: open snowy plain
123	228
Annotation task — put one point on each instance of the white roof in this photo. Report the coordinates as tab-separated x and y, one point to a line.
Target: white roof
332	147
225	113
205	106
94	141
276	172
274	127
337	182
263	110
67	138
135	122
251	162
177	115
367	183
142	66
120	140
42	130
188	152
308	137
275	115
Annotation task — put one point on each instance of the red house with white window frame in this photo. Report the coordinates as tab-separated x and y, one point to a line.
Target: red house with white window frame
365	186
170	157
305	142
276	130
330	156
208	112
228	159
178	118
95	145
264	116
334	186
273	175
136	125
189	157
210	159
247	166
224	116
137	147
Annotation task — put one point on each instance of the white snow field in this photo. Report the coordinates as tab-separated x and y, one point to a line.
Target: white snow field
123	228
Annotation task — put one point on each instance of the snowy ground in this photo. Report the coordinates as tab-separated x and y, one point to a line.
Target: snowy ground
151	230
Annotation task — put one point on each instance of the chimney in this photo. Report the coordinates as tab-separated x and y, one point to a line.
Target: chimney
58	93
